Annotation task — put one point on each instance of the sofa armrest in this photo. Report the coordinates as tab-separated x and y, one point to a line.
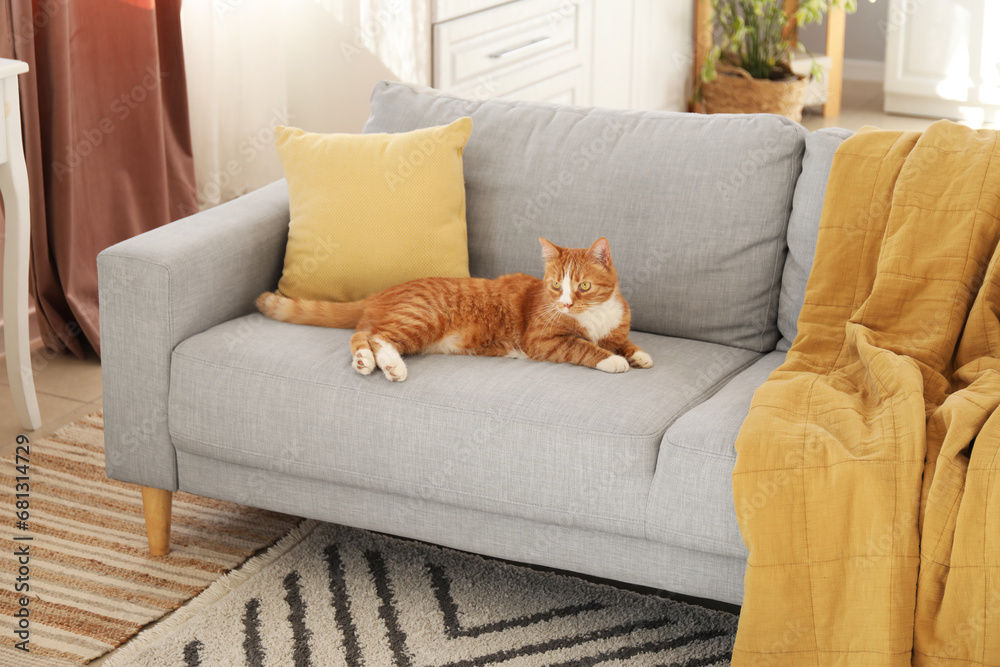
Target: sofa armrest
164	286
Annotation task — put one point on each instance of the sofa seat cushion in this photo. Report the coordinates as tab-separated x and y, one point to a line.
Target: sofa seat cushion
691	499
549	442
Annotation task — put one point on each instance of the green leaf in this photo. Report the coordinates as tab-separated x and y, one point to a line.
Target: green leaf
750	31
708	72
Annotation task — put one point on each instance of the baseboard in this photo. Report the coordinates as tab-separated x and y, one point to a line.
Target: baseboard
929	107
864	70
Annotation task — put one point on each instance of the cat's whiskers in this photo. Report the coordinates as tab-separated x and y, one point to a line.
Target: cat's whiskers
546	309
553	316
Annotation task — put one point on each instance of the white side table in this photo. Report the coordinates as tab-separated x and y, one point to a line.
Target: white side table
17	248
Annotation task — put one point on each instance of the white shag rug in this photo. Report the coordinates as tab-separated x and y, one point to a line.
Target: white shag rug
327	595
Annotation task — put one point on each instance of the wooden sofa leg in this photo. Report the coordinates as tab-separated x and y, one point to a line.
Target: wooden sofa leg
156	507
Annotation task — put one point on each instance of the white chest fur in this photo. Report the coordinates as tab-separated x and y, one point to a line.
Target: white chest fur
450	344
602	319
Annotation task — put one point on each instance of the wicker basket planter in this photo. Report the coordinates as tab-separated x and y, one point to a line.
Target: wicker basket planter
735	91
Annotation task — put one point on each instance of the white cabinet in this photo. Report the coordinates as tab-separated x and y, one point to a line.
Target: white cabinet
570	87
643	54
618	53
537	49
943	59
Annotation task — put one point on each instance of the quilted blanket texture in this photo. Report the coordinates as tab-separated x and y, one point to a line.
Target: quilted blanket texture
867	478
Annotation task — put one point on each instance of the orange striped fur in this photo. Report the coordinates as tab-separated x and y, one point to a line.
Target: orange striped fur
575	314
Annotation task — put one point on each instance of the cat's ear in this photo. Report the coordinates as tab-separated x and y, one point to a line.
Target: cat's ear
600	252
549	250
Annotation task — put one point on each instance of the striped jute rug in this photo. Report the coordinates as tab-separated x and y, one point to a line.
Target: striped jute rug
330	596
91	581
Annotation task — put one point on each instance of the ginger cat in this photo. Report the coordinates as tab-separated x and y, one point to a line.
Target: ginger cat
575	315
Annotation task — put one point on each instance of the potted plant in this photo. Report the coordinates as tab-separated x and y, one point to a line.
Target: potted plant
748	69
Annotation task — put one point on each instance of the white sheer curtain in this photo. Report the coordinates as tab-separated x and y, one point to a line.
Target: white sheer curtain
234	57
255	64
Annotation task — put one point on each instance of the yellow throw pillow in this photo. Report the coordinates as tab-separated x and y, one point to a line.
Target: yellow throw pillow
370	211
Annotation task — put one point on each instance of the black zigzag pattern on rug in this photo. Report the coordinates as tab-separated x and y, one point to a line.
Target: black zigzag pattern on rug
341	606
389	613
454	629
253	649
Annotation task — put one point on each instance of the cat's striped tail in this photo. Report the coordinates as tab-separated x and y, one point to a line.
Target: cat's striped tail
316	313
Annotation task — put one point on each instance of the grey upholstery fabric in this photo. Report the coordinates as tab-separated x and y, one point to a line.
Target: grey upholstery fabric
567	547
803	227
622	476
691	499
542	441
695	207
162	287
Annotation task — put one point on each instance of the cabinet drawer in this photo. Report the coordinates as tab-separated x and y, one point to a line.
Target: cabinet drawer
512	46
570	87
445	10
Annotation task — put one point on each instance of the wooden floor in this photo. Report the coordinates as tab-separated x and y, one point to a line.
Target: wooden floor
863	106
67	389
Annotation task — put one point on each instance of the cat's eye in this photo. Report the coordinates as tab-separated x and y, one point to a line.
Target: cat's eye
556	285
584	286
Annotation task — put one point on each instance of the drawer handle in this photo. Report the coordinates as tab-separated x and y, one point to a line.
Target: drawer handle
516	49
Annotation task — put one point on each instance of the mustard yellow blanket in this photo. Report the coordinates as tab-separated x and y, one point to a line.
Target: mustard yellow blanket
867	478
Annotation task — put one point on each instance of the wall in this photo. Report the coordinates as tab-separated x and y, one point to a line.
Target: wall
314	64
864	42
340	50
642	47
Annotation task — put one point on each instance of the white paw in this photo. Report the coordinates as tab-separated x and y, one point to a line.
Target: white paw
641	360
391	363
364	361
613	364
395	372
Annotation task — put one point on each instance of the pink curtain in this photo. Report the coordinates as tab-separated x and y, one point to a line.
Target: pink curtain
107	142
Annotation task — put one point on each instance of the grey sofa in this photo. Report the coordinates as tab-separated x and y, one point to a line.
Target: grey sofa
712	222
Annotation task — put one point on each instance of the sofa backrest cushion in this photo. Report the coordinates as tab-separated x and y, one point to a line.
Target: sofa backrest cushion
803	227
695	207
